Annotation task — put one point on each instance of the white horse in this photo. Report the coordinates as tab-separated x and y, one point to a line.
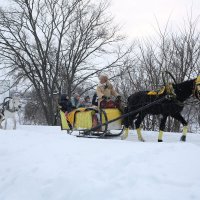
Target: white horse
10	108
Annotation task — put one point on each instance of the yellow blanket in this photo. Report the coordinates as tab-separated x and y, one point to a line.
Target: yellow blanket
71	115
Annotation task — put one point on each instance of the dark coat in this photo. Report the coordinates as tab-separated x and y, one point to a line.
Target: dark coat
65	103
95	99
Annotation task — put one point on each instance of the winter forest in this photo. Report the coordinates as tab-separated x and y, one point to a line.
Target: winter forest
51	47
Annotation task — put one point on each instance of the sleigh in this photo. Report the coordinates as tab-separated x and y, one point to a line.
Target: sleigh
86	122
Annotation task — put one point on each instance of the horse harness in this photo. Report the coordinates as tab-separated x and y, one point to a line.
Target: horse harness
169	90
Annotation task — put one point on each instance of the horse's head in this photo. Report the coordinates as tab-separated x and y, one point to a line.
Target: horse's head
15	103
197	88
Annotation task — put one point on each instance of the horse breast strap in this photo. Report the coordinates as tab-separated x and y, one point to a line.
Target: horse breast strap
197	81
196	90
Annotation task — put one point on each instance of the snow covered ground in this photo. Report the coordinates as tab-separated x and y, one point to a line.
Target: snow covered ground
43	163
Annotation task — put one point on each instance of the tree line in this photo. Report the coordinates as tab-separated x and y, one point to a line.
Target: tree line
60	46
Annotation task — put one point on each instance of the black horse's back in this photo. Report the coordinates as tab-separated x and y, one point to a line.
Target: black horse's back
137	99
140	99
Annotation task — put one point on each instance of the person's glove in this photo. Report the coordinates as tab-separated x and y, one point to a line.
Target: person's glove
104	97
73	107
59	107
118	98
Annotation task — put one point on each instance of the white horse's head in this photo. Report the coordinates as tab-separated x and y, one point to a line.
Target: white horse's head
10	108
14	104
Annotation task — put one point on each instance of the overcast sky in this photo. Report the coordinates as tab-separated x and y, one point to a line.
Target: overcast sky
138	17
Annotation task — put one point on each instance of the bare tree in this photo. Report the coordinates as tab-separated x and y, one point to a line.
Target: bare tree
57	45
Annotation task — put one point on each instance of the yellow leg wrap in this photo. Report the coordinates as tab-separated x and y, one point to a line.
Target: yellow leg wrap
139	133
125	134
185	130
160	135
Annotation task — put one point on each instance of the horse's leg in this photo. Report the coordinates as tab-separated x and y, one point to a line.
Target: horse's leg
1	119
162	128
125	134
5	126
179	117
14	120
138	122
126	122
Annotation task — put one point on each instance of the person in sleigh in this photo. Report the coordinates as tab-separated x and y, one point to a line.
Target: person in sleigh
105	91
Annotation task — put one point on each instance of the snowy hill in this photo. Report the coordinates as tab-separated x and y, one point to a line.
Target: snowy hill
42	163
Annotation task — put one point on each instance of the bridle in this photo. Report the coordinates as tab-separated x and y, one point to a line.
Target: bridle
196	88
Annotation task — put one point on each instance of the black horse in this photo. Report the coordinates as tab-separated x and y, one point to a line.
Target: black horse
168	107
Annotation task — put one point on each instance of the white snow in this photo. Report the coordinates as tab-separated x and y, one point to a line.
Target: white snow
44	163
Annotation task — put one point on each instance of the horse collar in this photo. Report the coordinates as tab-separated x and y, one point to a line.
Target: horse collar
196	84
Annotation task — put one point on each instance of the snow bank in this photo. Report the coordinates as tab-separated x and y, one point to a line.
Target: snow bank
42	163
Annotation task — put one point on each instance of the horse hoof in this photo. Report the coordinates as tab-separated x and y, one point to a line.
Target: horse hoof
123	137
141	140
183	138
160	140
125	134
